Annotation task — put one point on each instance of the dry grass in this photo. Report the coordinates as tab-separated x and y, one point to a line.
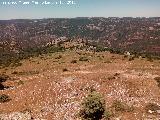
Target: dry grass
51	93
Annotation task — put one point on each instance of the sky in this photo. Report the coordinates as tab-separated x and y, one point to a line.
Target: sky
37	9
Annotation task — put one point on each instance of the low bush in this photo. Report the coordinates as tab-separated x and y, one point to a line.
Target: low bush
157	80
65	70
74	61
3	77
116	74
131	58
16	64
152	107
25	72
108	61
111	78
83	59
2	86
93	107
121	107
20	82
4	98
59	57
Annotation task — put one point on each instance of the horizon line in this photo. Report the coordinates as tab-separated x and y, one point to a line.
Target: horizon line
79	17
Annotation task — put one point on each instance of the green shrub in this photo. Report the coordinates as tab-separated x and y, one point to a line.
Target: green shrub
100	49
3	77
25	72
107	115
93	107
15	72
150	59
74	61
59	57
2	86
131	58
20	82
108	61
157	80
111	78
83	59
65	70
121	107
125	56
116	74
16	64
118	106
153	107
4	98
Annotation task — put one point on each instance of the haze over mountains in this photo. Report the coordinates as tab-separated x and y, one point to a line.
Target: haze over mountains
140	35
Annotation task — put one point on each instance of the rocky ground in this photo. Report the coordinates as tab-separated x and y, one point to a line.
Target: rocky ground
52	87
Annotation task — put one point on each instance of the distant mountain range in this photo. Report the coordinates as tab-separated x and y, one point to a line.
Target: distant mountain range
140	35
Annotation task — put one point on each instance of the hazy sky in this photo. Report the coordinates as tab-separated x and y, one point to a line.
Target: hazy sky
82	8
